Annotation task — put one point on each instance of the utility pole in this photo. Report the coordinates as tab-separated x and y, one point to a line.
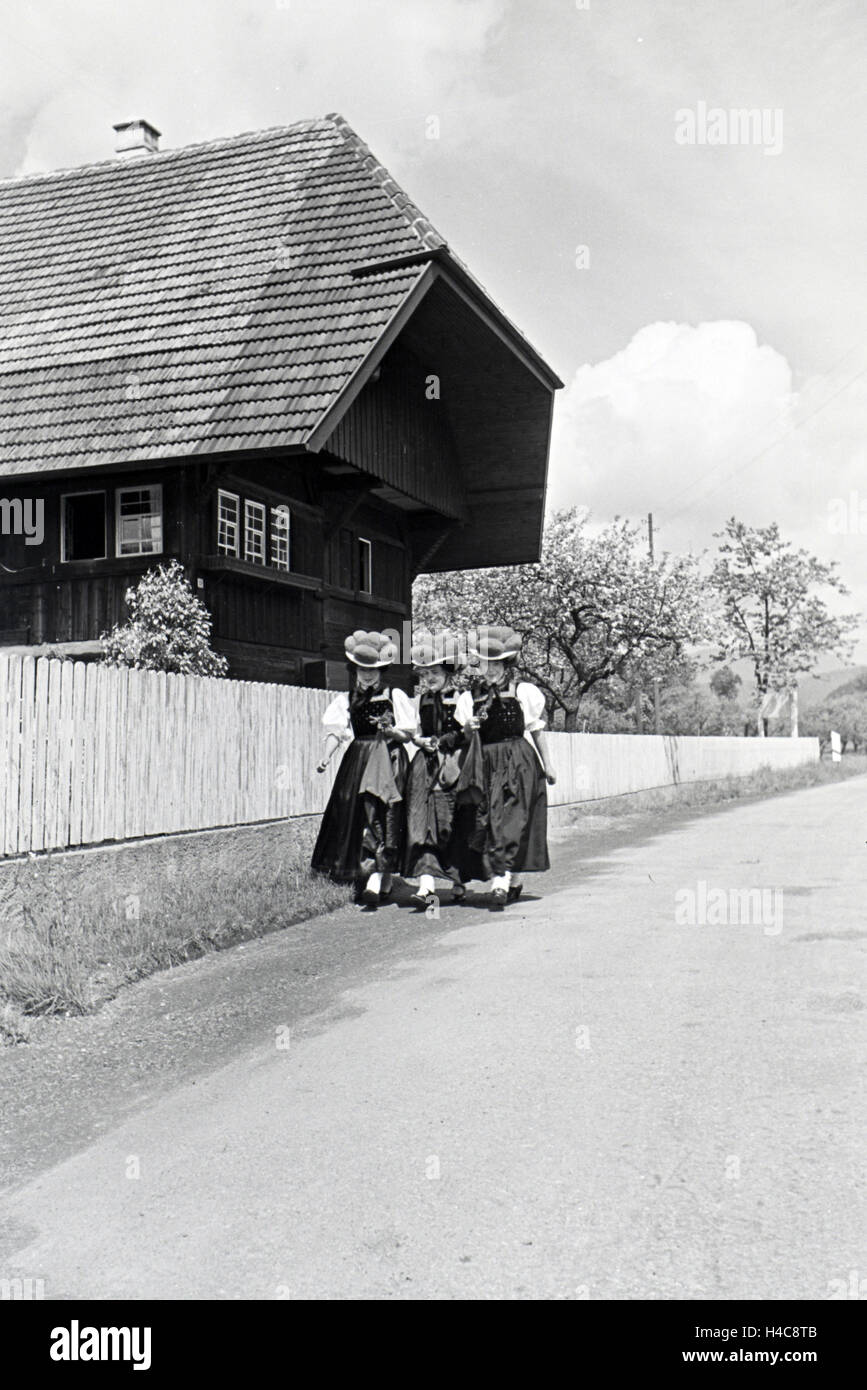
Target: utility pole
657	713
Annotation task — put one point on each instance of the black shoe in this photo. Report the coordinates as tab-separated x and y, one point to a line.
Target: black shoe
514	892
422	901
499	898
370	900
459	893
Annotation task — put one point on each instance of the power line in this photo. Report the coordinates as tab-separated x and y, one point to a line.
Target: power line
696	482
754	458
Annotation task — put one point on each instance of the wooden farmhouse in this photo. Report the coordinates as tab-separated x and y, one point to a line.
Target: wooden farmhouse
257	356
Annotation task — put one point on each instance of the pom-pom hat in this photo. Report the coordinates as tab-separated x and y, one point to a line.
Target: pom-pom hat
497	644
428	650
370	649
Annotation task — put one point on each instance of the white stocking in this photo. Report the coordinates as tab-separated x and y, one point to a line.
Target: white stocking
425	885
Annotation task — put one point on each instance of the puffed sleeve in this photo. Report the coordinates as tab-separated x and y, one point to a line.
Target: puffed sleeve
335	720
532	702
405	716
464	707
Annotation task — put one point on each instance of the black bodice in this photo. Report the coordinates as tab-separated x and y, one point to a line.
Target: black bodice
436	716
501	717
365	710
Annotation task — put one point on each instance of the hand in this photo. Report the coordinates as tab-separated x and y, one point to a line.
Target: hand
472	723
430	745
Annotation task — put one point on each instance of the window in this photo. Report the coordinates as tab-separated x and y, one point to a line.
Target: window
228	519
83	526
365	566
139	520
264	535
280	532
254	532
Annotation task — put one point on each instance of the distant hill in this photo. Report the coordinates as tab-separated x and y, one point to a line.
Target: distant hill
813	690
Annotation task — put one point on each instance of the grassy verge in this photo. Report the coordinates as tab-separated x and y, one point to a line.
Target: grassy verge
765	781
68	952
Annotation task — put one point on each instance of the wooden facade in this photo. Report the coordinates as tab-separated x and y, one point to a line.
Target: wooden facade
272	623
304	432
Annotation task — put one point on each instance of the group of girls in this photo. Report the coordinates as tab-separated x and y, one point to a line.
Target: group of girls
469	804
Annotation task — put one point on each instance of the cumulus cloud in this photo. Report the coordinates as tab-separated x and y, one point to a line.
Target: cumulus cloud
698	423
677	405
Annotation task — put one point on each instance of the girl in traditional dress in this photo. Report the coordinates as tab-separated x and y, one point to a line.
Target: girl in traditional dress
361	838
512	818
435	837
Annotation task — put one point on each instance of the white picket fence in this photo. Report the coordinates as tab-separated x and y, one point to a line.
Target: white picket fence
93	753
589	766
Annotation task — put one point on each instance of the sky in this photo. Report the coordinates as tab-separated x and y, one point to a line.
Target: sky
698	283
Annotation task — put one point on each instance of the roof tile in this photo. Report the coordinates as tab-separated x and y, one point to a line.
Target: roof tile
196	300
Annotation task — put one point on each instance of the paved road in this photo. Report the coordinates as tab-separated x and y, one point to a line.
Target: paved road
591	1096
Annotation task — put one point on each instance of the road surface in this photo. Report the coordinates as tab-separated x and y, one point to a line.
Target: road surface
613	1090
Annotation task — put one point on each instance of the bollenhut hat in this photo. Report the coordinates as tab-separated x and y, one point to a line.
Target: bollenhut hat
497	644
370	649
429	650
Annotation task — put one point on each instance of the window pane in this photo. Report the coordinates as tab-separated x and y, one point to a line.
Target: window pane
254	532
281	524
365	566
84	526
228	514
140	528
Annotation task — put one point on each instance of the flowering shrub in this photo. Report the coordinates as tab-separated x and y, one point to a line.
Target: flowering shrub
169	629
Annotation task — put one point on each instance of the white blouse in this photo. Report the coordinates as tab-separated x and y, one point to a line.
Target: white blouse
532	702
336	719
529	697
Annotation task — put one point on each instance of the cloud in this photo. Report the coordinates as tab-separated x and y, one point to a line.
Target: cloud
207	68
675	407
699	423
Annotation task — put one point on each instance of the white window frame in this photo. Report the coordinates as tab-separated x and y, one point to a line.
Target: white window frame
156	491
88	492
251	508
281	537
362	540
223	548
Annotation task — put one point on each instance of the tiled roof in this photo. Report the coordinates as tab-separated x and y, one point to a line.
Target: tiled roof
195	301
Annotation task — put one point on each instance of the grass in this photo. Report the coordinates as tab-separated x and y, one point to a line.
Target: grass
69	952
765	781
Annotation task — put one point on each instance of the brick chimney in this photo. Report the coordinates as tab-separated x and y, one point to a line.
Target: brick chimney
136	138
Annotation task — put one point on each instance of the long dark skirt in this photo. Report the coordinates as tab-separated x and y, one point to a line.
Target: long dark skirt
437	827
513	821
360	834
